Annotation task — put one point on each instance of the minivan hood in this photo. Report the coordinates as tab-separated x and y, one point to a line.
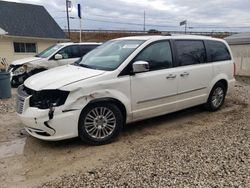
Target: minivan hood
25	60
58	77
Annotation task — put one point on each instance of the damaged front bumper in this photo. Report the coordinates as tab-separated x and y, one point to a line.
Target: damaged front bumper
64	125
47	124
16	80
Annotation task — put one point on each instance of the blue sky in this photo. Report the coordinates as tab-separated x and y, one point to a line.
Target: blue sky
212	15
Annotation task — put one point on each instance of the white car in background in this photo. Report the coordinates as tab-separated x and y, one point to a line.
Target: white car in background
123	81
54	56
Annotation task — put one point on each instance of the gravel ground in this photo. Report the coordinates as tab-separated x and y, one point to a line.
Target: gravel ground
215	154
8	105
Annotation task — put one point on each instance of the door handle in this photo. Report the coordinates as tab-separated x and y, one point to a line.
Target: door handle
184	74
171	76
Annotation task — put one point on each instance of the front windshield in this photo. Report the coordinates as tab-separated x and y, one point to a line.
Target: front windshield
49	51
110	55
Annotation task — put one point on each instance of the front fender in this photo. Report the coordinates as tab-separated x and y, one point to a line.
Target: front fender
118	89
76	101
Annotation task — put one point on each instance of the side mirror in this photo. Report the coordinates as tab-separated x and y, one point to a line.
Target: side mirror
140	66
58	57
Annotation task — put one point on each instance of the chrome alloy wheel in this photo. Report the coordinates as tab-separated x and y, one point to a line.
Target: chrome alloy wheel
100	122
218	97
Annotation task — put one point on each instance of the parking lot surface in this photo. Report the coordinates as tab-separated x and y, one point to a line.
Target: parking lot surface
192	148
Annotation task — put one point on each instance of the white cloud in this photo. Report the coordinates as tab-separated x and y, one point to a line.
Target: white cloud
156	4
231	13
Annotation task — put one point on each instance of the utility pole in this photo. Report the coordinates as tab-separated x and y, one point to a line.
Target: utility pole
144	22
67	10
186	28
80	20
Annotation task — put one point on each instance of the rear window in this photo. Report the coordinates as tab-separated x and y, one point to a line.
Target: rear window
190	52
217	51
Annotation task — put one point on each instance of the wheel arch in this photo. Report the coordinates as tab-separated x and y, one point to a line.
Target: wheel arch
223	78
220	80
117	102
208	105
84	136
223	81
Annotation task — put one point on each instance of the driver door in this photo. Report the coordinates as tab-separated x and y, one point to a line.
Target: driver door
154	92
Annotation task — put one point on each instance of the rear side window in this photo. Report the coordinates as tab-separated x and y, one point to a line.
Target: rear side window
190	52
84	49
217	51
158	55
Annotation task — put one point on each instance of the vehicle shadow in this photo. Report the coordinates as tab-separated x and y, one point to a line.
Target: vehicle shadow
128	131
164	119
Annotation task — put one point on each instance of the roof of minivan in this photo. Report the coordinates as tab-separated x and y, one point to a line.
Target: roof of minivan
155	37
82	43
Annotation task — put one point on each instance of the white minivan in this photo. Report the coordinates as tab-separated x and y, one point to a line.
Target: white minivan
125	80
56	55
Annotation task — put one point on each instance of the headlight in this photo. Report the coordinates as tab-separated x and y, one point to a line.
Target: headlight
48	98
27	68
19	71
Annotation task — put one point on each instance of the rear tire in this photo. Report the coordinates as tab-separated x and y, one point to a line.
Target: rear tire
100	123
216	97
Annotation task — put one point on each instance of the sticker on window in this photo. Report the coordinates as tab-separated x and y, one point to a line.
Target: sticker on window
130	46
56	47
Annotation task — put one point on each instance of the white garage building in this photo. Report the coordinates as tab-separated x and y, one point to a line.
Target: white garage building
26	30
240	45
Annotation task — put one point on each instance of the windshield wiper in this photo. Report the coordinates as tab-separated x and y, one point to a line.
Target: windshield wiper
83	65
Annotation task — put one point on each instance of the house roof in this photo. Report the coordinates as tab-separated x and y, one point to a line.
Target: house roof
27	20
240	38
2	32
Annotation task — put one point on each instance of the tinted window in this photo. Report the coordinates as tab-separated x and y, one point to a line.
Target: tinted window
158	55
190	52
70	52
84	49
218	51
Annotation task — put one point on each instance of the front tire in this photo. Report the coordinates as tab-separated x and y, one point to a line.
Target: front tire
216	98
100	123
